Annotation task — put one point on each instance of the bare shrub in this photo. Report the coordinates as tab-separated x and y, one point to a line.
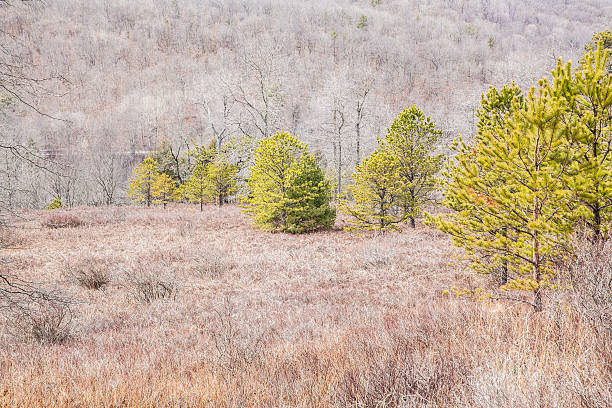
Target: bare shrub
401	368
8	237
90	273
376	256
62	220
35	314
591	278
146	284
212	265
237	344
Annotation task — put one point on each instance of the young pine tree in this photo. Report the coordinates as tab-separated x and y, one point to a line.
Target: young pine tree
508	192
196	188
412	140
496	107
587	94
163	189
287	189
377	194
141	183
221	181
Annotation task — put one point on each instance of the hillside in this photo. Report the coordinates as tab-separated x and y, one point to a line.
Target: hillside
129	75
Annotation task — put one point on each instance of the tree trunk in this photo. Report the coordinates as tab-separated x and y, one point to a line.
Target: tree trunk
412	222
221	200
504	272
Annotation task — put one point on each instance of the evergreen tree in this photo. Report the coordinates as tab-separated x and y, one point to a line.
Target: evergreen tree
196	188
377	194
221	180
287	191
163	189
587	94
508	192
605	38
309	194
169	161
412	140
141	183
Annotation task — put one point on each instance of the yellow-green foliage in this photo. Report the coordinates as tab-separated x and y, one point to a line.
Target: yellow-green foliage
195	189
55	204
141	183
377	194
221	180
412	139
508	189
288	190
163	189
587	97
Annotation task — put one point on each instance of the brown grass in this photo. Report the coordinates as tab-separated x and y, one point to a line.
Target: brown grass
268	320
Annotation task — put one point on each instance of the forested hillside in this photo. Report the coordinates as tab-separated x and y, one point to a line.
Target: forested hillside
124	76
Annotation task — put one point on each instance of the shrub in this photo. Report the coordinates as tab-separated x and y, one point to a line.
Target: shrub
90	273
147	286
34	313
55	204
62	221
591	277
212	265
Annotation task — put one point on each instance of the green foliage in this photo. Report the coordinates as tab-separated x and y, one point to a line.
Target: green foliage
196	188
605	38
412	139
203	155
309	194
491	42
362	24
162	189
221	180
55	204
170	162
508	192
377	194
289	192
587	96
141	183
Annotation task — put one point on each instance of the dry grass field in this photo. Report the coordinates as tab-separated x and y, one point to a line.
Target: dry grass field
177	308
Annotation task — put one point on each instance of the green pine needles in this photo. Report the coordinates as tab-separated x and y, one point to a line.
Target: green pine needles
394	184
538	166
288	190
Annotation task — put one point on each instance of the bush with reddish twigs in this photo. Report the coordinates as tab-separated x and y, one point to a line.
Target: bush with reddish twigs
62	220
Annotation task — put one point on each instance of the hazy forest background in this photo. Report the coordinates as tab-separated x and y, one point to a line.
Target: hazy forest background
122	77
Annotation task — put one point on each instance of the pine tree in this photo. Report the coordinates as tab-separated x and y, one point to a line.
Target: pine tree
196	188
496	107
508	192
412	139
309	194
377	194
587	93
170	162
163	189
141	183
601	39
221	181
286	190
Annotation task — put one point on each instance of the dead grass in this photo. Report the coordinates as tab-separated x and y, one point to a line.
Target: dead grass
321	320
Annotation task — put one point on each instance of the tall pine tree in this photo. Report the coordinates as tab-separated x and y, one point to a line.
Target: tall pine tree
509	194
412	139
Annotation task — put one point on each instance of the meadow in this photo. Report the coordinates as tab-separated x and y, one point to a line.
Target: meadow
181	308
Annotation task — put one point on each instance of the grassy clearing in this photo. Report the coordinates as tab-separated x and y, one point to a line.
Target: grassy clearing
258	319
